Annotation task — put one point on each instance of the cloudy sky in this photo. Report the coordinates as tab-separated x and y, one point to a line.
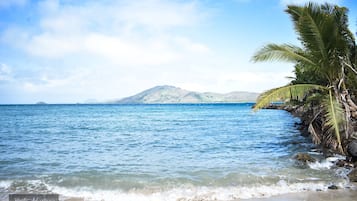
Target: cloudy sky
68	51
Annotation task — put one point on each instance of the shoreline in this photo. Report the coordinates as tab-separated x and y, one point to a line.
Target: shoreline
298	192
346	194
330	195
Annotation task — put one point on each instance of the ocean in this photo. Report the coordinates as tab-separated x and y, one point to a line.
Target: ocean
157	152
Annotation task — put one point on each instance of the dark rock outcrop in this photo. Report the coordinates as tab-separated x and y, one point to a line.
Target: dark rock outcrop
304	157
332	187
341	163
352	150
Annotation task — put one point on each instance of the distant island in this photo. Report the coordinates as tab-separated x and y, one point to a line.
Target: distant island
171	94
41	103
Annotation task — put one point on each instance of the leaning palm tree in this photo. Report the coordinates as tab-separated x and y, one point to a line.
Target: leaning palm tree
327	48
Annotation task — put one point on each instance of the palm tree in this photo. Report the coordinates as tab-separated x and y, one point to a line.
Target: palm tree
322	65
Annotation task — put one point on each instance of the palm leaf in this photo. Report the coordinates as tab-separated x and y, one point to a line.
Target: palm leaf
311	33
334	117
283	52
296	92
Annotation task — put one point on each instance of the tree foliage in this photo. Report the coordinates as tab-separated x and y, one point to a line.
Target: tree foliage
325	64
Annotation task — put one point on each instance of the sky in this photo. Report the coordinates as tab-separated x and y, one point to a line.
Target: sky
73	51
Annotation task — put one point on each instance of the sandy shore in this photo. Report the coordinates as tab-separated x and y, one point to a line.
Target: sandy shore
331	195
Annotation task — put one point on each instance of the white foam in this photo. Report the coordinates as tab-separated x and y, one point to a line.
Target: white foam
193	193
325	164
186	192
5	183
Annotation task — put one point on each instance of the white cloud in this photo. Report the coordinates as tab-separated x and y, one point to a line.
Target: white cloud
52	45
126	32
229	81
5	72
130	52
190	46
159	14
48	80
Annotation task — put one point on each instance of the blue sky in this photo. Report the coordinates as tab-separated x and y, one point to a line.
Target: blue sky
68	51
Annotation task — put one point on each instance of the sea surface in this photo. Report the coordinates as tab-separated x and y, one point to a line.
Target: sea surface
157	152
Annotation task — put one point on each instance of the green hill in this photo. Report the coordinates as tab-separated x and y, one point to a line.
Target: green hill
170	94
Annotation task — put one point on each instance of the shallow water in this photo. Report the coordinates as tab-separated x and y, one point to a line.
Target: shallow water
155	152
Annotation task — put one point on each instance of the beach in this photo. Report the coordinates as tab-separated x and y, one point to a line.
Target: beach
331	195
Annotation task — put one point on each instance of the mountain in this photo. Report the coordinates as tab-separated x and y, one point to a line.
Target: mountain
171	94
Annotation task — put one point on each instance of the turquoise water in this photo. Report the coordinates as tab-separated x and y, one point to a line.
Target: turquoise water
154	152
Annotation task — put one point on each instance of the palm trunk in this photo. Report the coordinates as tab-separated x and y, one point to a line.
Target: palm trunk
339	135
350	113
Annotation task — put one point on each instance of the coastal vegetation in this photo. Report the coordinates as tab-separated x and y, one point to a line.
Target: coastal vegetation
324	88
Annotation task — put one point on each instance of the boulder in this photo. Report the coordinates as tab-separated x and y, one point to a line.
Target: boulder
353	175
304	157
352	150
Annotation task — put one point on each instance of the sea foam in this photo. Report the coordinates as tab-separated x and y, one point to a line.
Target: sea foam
179	193
191	193
325	164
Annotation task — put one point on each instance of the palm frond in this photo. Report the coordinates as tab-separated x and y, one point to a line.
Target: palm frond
311	33
308	21
324	34
296	92
283	52
334	117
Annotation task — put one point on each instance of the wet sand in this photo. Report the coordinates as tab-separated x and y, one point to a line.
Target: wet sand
331	195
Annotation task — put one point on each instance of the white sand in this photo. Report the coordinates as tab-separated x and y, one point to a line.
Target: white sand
331	195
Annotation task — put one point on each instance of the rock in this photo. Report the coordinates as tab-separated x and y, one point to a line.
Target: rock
333	187
340	163
353	175
327	153
304	157
352	150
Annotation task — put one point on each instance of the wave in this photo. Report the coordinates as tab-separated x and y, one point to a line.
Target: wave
310	179
181	193
325	164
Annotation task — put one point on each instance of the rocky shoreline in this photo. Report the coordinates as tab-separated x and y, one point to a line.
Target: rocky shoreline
305	115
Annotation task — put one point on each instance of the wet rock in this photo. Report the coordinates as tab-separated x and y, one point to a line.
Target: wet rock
304	157
352	150
353	175
341	163
273	107
333	187
328	153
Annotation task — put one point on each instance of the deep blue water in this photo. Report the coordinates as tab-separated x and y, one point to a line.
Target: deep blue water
73	149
